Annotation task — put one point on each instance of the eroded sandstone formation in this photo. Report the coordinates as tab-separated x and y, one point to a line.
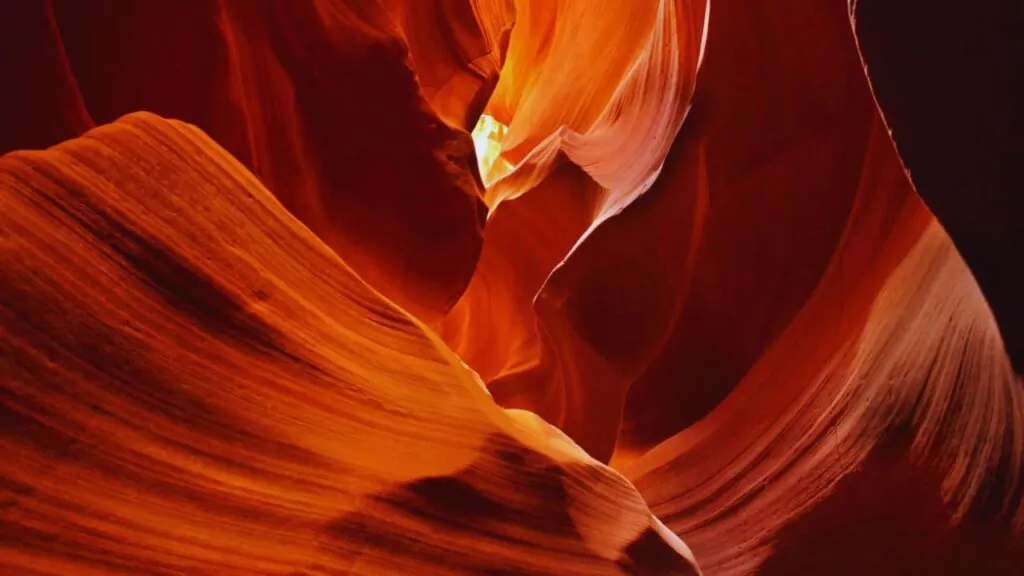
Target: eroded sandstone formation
508	287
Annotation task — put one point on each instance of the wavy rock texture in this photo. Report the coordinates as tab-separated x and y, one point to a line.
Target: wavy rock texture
710	277
284	87
616	119
896	445
194	383
618	131
726	390
738	228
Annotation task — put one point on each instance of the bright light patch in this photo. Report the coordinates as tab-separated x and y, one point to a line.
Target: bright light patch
487	137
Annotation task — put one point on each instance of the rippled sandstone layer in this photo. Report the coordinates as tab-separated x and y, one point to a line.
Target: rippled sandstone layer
193	382
710	277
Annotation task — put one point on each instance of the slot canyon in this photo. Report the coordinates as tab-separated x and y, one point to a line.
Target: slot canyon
511	287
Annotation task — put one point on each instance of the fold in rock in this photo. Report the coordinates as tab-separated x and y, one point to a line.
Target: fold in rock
301	329
897	450
194	383
617	127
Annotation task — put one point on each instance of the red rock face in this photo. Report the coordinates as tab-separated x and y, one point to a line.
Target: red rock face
508	287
